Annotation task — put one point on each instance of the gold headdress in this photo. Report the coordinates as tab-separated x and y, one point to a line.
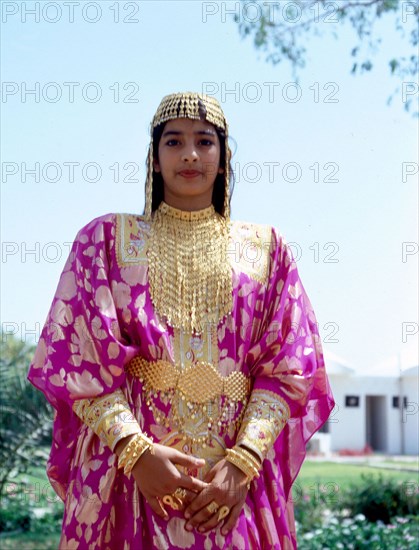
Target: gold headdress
195	106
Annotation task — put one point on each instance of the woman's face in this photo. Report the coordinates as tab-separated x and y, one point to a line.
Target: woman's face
189	161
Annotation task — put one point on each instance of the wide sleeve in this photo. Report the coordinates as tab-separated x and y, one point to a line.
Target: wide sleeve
80	358
82	351
109	416
291	397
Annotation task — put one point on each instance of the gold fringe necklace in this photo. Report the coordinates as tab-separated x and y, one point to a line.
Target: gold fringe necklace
188	270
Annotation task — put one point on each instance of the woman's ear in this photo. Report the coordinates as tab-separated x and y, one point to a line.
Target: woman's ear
156	166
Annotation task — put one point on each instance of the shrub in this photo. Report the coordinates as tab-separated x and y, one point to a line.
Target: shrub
381	499
18	514
359	534
309	512
26	416
14	516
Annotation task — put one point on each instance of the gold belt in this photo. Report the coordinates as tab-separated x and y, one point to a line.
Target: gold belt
202	401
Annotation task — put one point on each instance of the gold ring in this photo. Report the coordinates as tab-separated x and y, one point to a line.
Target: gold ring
173	502
212	507
223	512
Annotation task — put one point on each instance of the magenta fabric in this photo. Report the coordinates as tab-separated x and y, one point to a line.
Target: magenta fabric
100	318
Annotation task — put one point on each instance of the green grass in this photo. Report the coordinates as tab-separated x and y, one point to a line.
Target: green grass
331	478
30	541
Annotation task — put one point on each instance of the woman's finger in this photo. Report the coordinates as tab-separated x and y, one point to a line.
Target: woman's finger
210	522
192	483
157	506
185	460
201	516
231	520
194	508
188	498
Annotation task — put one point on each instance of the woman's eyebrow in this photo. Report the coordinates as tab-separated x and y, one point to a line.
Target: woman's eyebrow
178	133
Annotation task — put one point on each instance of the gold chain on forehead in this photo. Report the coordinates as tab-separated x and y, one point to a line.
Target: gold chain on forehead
188	105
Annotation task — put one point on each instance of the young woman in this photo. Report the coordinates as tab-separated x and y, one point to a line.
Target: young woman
183	359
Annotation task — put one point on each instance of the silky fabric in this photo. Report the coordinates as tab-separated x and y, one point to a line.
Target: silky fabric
102	316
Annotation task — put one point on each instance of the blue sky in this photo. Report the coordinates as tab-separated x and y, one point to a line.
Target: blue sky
360	220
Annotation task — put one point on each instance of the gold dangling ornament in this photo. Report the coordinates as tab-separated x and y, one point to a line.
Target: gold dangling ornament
189	273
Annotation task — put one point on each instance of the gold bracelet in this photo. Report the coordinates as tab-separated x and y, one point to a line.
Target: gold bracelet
136	448
247	464
242	462
245	454
244	457
133	451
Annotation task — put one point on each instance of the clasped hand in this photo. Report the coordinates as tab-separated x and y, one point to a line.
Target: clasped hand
156	475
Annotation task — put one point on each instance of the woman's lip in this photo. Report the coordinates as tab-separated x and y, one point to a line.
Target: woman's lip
189	173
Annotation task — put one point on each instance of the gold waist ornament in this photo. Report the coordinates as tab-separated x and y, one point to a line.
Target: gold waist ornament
202	402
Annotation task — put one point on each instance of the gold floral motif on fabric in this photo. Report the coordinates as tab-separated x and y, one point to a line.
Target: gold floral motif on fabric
131	240
265	417
190	348
203	403
109	416
249	249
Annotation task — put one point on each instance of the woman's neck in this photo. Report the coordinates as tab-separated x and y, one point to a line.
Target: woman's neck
189	204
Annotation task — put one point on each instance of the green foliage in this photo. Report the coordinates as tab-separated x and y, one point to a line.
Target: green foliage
309	512
19	514
381	499
14	516
26	417
375	497
359	534
282	30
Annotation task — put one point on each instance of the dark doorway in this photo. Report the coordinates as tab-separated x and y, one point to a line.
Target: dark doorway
376	422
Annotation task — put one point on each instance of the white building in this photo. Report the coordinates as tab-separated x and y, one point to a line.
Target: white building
379	411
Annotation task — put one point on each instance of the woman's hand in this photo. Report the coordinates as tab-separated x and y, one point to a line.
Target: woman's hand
156	475
227	487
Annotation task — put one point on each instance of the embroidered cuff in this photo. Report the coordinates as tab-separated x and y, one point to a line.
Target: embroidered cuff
109	416
265	416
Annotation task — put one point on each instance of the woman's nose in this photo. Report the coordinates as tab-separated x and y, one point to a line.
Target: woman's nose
189	154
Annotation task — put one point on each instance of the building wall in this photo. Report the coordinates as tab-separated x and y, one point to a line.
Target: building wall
348	425
411	415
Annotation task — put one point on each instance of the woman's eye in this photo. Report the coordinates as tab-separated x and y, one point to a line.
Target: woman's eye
172	142
206	142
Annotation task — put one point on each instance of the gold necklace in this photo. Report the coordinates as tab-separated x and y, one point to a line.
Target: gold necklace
189	274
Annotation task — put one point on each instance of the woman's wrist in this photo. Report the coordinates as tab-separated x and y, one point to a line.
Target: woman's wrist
122	443
245	461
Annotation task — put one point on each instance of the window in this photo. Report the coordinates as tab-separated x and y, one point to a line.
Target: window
396	402
351	400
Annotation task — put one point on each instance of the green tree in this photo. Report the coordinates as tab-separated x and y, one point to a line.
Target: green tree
26	417
281	29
